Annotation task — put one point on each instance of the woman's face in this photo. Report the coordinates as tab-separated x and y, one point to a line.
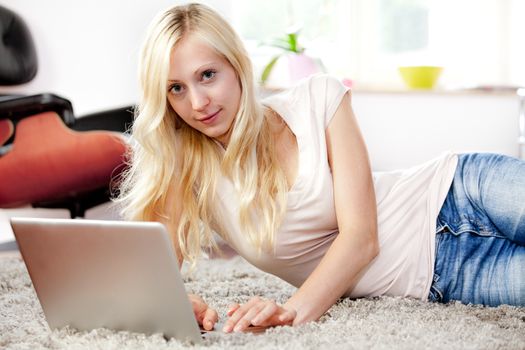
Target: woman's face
203	88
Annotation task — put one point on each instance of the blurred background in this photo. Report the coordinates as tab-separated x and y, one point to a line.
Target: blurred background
88	50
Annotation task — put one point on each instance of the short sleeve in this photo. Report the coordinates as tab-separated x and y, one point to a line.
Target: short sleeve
326	95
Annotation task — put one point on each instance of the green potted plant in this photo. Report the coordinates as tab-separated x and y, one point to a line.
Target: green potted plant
291	64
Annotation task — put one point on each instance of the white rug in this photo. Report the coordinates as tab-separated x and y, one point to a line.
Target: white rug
382	323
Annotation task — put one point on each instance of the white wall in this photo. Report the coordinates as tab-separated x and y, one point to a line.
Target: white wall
88	50
517	35
405	129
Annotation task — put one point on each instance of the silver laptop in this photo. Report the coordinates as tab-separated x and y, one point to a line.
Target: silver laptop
114	274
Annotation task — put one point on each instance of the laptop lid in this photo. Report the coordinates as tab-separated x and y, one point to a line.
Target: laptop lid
114	274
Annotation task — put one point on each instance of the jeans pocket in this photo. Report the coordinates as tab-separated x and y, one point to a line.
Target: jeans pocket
442	229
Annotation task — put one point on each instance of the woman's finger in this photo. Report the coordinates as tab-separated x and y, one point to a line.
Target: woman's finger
198	304
239	313
232	308
234	318
250	314
287	316
210	318
269	310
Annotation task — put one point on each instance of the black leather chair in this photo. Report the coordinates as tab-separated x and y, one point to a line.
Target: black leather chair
19	65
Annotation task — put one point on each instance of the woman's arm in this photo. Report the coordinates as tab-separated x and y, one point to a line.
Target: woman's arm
355	246
357	243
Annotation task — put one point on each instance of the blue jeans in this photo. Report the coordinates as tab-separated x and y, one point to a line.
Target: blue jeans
480	240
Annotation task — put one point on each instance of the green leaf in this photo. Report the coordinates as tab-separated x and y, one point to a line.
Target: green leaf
268	69
283	47
281	43
292	41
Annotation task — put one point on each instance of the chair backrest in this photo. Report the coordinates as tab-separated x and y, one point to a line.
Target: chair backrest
18	59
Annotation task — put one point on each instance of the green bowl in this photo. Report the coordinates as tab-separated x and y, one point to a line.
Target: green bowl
420	77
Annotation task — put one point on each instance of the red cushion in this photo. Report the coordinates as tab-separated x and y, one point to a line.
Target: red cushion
6	130
49	161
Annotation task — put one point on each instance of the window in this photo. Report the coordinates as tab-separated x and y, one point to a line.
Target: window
321	31
477	41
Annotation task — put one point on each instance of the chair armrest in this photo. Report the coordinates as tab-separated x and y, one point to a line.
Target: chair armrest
118	119
16	108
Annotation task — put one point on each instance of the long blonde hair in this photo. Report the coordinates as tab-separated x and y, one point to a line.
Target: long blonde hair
167	151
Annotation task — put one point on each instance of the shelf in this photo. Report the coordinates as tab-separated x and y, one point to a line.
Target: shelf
481	92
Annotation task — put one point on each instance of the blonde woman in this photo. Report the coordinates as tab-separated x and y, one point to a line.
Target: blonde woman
287	183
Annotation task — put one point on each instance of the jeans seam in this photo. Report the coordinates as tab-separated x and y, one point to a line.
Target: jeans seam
482	232
435	292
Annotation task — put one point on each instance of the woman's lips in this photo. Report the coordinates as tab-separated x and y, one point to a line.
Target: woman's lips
211	118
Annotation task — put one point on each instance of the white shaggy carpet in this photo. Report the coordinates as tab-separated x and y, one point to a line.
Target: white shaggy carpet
380	323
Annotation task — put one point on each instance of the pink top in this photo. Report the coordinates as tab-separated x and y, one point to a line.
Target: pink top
408	203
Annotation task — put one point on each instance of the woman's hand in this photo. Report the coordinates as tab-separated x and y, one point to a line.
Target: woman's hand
257	312
205	316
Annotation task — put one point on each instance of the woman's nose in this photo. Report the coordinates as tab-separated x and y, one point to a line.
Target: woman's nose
199	99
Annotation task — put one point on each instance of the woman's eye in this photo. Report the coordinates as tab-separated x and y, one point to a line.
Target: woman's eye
176	89
208	74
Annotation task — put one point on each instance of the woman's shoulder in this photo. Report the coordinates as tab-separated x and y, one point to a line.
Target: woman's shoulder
324	90
325	85
317	82
319	88
316	85
324	79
